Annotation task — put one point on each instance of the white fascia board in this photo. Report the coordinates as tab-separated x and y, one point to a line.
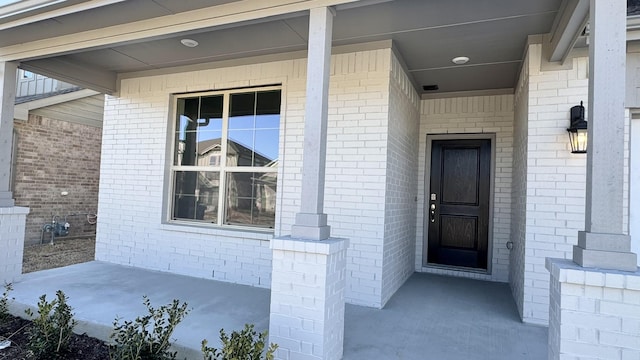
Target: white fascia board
88	5
21	111
230	13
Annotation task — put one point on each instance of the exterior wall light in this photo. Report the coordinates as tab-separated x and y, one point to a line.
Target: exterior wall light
578	130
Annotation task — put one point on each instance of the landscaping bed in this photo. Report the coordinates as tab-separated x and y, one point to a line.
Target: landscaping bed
81	347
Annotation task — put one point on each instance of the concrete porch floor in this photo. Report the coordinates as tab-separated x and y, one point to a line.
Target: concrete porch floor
430	317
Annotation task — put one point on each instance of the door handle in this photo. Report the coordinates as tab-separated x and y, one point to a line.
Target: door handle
432	212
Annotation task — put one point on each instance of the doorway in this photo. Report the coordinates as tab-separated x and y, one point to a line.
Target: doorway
458	203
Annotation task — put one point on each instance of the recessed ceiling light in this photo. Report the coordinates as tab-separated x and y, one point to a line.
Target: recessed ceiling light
189	43
460	60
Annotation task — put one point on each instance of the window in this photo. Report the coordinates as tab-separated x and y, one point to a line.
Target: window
26	74
225	157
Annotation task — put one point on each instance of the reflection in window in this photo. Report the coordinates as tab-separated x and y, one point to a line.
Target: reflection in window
251	198
254	127
198	128
207	159
196	195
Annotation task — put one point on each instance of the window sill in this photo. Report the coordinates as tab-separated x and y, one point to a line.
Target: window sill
228	231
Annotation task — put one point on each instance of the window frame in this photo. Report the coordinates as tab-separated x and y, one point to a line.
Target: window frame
222	169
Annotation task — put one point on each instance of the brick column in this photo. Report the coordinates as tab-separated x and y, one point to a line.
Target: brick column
593	313
307	298
12	220
7	102
309	267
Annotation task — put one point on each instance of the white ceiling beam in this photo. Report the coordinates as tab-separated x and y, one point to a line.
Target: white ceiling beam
230	13
567	27
58	12
102	81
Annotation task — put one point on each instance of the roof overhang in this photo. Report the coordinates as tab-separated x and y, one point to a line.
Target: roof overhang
94	43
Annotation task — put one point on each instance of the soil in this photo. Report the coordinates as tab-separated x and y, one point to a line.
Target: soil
81	347
62	253
41	257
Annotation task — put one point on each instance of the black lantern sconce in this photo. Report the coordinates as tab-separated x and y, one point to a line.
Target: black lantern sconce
578	130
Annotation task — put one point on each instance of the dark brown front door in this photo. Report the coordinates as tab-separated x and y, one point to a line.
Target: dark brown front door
458	207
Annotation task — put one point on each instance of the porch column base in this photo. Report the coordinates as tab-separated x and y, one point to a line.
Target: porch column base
12	227
605	251
307	298
6	199
311	226
593	313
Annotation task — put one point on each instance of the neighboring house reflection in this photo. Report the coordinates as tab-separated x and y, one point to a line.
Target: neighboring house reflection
250	196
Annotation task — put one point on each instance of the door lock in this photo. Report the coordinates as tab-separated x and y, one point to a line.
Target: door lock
432	212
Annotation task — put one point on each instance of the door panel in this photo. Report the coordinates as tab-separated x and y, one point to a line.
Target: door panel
458	207
459	168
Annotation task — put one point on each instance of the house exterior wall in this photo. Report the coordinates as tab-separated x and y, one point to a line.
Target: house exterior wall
131	226
33	84
634	178
401	187
356	164
53	156
472	115
519	191
555	183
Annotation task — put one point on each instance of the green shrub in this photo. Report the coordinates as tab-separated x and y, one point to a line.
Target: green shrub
4	303
148	337
51	330
244	345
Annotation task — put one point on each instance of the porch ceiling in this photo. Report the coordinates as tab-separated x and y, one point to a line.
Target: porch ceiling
426	33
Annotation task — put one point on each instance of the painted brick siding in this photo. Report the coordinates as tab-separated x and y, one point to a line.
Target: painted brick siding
555	177
307	298
401	188
519	189
594	314
476	115
131	230
12	220
54	156
356	167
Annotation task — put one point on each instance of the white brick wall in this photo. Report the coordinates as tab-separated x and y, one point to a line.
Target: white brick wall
356	167
401	188
519	189
634	215
130	223
555	177
478	114
12	222
594	314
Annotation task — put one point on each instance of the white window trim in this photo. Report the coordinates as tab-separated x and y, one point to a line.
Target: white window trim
222	169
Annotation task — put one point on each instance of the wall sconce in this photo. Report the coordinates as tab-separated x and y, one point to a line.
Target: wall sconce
578	130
